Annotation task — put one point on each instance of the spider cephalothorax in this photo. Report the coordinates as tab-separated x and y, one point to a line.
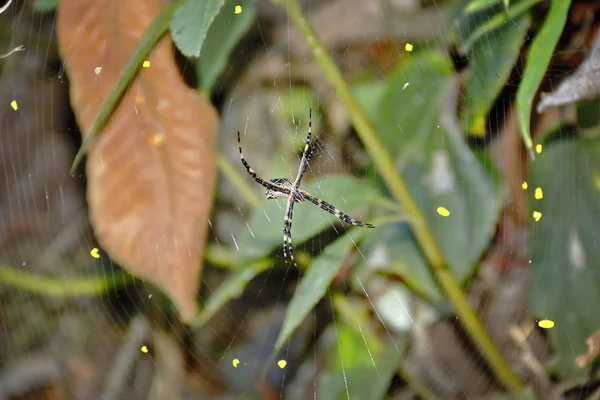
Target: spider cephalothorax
282	188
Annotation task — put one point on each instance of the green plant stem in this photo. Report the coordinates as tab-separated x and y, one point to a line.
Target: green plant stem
236	180
400	191
155	31
61	287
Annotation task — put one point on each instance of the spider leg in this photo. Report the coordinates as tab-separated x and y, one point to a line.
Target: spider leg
287	230
325	206
307	154
258	178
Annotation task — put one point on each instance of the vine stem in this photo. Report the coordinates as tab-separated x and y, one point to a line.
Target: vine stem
62	287
398	187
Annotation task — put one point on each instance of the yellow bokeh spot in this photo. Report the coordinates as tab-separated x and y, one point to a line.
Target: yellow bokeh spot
238	9
443	211
235	362
478	125
157	140
546	324
539	194
95	252
538	148
146	64
597	181
14	105
139	99
524	185
282	364
144	349
537	215
408	47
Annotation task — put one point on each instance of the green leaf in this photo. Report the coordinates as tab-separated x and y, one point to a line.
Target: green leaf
438	167
369	95
478	5
392	249
191	22
537	62
357	314
45	5
492	59
366	374
264	233
315	282
231	288
565	285
476	26
223	35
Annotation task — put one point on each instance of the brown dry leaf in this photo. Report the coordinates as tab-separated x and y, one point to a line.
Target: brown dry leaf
593	344
151	172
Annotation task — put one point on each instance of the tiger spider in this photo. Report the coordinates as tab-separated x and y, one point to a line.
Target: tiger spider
282	188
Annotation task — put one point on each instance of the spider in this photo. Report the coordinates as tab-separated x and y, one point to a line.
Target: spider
282	188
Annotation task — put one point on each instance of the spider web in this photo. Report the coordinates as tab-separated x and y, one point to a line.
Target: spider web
362	316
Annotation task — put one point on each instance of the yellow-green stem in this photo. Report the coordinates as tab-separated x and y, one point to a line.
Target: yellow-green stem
61	287
400	191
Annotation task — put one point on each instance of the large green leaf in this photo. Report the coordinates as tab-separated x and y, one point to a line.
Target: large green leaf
191	22
439	168
537	62
473	26
315	282
491	60
361	371
566	250
391	249
264	233
222	37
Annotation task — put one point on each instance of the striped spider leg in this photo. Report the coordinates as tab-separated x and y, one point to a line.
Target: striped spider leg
282	188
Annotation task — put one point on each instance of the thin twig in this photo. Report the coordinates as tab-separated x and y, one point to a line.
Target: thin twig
15	50
139	332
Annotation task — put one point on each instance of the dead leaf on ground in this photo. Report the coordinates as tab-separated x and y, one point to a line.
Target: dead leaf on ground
151	172
593	344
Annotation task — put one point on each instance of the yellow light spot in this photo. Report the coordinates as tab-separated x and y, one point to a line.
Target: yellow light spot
139	99
524	185
539	194
443	211
597	181
238	9
537	215
144	349
538	148
146	64
282	364
408	47
478	126
546	324
157	140
235	362
94	253
97	70
14	105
